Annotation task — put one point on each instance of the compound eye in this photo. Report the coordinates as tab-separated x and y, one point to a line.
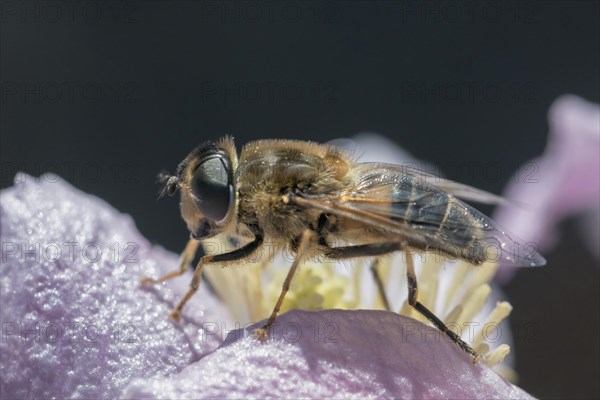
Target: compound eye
212	189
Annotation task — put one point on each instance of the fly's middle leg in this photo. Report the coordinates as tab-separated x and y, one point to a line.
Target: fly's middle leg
303	247
379	284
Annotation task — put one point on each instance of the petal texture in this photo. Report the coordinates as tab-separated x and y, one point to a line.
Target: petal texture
333	354
75	321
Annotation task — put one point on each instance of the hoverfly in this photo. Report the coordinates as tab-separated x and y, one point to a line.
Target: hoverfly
308	197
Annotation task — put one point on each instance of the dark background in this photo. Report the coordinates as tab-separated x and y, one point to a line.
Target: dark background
106	94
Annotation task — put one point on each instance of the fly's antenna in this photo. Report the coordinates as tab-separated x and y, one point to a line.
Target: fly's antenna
169	183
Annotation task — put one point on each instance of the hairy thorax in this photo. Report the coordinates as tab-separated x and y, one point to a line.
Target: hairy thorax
268	171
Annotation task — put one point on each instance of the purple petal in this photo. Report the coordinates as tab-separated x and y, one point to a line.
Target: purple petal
334	353
75	322
564	181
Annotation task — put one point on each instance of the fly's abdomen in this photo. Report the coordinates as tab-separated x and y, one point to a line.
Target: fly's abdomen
445	223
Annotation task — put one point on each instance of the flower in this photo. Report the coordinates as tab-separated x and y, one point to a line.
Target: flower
77	324
563	182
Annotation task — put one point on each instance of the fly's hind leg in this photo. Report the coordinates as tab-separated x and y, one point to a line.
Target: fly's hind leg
387	248
184	261
303	246
412	300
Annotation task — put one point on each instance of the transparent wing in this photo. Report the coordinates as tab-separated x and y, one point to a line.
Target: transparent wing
409	166
459	190
387	198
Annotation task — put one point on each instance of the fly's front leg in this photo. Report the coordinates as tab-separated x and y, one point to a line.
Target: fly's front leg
235	255
412	300
304	245
194	285
184	261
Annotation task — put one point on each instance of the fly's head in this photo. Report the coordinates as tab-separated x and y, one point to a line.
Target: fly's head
206	184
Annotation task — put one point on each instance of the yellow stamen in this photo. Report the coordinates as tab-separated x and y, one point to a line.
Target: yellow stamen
497	355
500	312
474	303
458	279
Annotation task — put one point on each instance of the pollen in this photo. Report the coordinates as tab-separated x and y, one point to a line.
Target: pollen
315	287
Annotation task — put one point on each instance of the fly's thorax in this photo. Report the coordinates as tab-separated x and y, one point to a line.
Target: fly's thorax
276	219
293	163
270	169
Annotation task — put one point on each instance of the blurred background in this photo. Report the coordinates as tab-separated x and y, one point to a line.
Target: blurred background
106	94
